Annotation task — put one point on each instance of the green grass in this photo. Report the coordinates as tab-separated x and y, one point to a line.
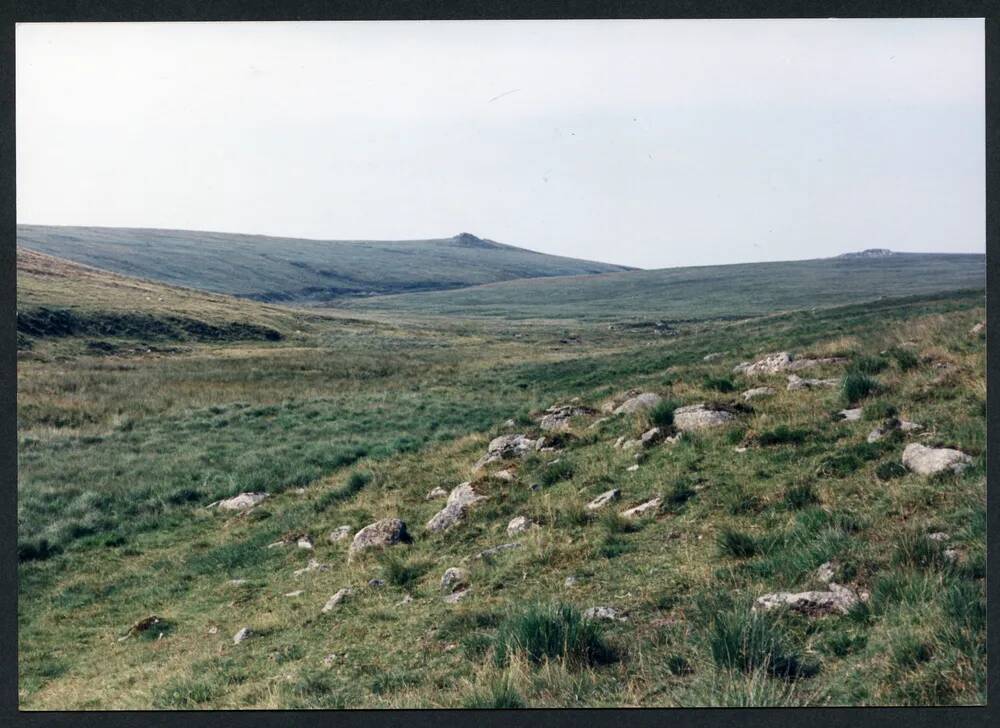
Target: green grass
352	419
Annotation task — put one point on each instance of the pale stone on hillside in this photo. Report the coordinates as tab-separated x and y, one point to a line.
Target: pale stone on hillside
340	533
850	415
454	579
241	502
508	447
758	393
608	614
638	403
642	508
700	417
387	532
603	499
244	634
519	524
837	599
557	418
796	382
930	460
339	598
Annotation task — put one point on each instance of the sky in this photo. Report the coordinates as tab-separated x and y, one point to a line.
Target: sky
645	143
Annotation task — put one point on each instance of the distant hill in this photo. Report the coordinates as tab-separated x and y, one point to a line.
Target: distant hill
703	292
297	270
869	253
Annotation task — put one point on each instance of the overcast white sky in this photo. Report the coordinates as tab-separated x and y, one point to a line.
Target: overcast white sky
650	143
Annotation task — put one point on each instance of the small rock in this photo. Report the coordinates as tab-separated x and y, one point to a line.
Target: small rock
642	509
465	494
571	581
609	614
407	599
930	461
497	549
952	555
376	583
826	572
244	634
329	660
339	598
978	329
740	448
519	524
770	364
387	532
651	437
447	517
713	356
603	499
509	423
241	502
454	579
305	543
438	492
632	468
700	417
758	393
638	403
237	582
508	447
889	426
213	630
937	536
597	423
313	565
557	418
838	599
850	415
296	593
340	534
504	475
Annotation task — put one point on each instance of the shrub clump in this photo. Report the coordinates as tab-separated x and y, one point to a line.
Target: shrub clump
662	414
800	496
550	632
856	386
869	364
749	641
737	544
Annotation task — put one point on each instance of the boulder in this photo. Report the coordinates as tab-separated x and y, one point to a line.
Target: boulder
241	502
837	599
519	524
339	598
609	614
932	460
305	543
454	579
557	418
770	364
758	393
313	565
603	499
643	508
508	447
700	417
850	415
465	494
387	532
638	403
504	475
796	382
889	426
244	634
447	517
340	533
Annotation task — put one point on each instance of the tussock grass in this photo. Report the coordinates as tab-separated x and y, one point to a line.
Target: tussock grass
552	631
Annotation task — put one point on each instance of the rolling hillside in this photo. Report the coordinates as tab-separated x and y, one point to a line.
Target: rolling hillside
297	270
730	291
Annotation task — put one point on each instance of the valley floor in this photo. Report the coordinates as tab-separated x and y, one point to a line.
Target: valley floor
124	445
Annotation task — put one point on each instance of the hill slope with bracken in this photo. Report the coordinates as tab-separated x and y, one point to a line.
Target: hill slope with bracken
298	270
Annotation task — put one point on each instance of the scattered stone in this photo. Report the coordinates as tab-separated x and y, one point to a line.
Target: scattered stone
237	582
387	532
713	356
838	599
497	549
889	426
758	393
850	415
700	417
557	418
632	468
508	447
340	534
770	364
457	596
313	565
978	329
938	536
244	634
241	502
213	629
296	593
438	492
405	600
930	461
571	581
651	437
796	382
465	494
504	475
798	364
329	660
642	509
952	555
454	579
305	543
509	423
638	403
519	524
376	583
339	598
597	423
609	614
603	499
447	517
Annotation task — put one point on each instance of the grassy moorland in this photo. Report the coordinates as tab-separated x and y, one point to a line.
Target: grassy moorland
130	425
293	269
